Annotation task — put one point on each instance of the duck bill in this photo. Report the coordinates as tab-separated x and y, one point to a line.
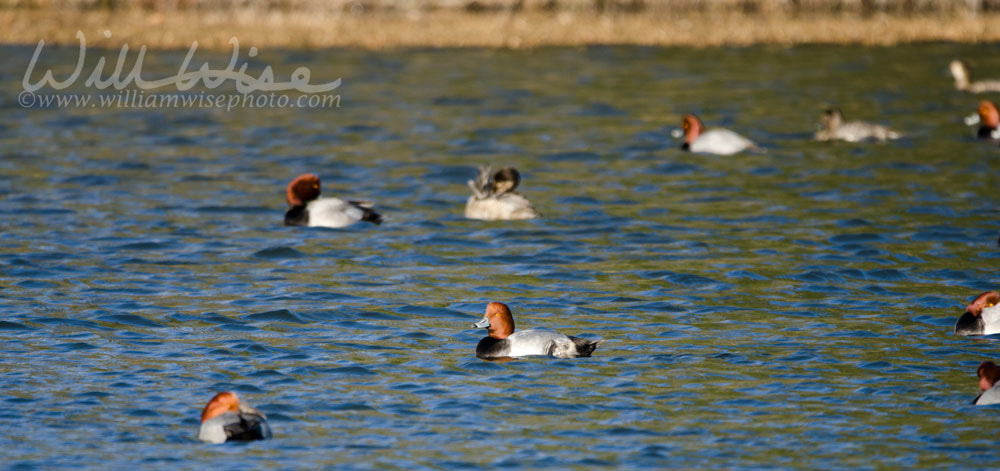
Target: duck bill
483	323
972	119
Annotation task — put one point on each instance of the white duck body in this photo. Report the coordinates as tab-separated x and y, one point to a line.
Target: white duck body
505	206
989	396
541	342
335	212
991	320
855	131
721	142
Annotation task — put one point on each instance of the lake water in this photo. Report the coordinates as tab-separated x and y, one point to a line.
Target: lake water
786	309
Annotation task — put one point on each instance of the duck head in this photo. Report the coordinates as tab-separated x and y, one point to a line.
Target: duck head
989	374
220	404
971	323
692	128
498	320
832	118
505	180
960	70
303	189
224	402
988	115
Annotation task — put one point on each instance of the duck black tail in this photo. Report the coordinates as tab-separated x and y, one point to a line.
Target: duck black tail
250	427
585	347
372	216
369	214
969	324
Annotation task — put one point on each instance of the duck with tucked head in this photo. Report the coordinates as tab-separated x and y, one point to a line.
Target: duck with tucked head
989	384
225	418
834	127
982	316
494	198
503	342
963	79
714	141
306	208
988	118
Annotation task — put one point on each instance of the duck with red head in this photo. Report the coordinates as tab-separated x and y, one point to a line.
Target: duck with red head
714	141
988	118
306	208
989	384
982	316
225	418
503	342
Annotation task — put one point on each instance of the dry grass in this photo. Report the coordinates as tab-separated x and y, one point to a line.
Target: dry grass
450	27
793	6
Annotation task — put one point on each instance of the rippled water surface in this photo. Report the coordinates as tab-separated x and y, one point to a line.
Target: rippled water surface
791	308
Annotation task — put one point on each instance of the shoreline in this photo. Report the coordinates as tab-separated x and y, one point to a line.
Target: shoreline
212	29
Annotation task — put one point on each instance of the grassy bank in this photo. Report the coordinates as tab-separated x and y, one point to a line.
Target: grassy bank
503	26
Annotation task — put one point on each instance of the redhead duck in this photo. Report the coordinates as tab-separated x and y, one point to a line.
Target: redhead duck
225	418
504	342
982	316
988	119
963	79
989	384
834	127
495	198
714	141
306	208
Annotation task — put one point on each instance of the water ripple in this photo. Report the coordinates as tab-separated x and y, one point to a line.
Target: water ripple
791	308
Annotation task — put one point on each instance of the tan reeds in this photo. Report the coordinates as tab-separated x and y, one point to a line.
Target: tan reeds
450	23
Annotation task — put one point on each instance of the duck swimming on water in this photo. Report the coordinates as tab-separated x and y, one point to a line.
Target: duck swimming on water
989	384
225	418
982	316
503	342
988	118
963	79
834	128
494	198
306	208
714	141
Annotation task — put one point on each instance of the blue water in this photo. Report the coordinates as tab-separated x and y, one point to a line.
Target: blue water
788	309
